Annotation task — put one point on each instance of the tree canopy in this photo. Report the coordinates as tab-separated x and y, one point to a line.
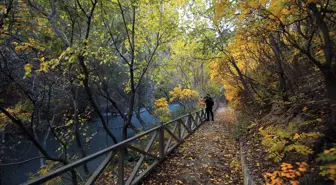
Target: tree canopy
64	63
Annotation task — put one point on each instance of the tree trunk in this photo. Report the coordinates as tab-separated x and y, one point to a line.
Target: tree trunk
138	109
129	115
330	81
279	70
45	144
132	80
90	97
74	177
77	125
31	137
121	113
243	81
40	154
148	109
138	116
328	46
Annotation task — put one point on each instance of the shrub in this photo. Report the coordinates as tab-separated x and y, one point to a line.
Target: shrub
287	174
279	141
329	169
162	110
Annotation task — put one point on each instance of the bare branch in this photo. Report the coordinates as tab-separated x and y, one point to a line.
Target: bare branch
125	24
113	40
22	162
158	36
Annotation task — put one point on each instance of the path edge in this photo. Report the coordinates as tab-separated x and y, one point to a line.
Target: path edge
248	178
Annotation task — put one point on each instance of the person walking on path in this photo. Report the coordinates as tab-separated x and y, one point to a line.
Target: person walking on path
209	103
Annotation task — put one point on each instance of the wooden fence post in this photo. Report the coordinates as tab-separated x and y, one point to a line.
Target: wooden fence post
203	115
198	119
189	122
184	129
179	131
161	141
121	166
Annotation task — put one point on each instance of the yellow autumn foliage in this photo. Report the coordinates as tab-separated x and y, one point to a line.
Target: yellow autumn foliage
17	112
45	169
161	109
255	22
328	170
185	97
287	174
279	141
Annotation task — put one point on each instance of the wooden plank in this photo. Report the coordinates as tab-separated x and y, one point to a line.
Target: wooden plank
144	173
121	166
161	142
202	114
199	120
179	131
181	117
117	147
187	123
100	168
170	138
196	119
140	177
183	131
137	166
192	121
142	151
172	134
172	148
66	168
185	128
135	171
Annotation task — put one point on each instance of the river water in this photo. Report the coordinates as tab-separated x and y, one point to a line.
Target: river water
18	174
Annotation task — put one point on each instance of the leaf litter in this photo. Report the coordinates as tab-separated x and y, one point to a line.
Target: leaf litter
209	156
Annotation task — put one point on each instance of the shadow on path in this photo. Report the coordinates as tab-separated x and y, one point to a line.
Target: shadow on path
209	156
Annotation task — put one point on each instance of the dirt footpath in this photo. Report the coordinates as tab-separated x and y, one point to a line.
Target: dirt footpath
209	156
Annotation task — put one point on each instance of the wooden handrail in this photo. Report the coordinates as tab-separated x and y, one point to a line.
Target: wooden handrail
193	121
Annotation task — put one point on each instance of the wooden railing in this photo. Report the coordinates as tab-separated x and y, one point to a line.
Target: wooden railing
149	148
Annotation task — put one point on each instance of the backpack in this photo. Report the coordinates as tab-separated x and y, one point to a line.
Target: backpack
209	101
212	103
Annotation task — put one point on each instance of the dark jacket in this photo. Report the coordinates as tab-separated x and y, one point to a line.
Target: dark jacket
209	103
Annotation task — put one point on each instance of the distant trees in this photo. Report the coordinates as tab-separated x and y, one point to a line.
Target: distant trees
281	54
186	98
276	42
63	62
